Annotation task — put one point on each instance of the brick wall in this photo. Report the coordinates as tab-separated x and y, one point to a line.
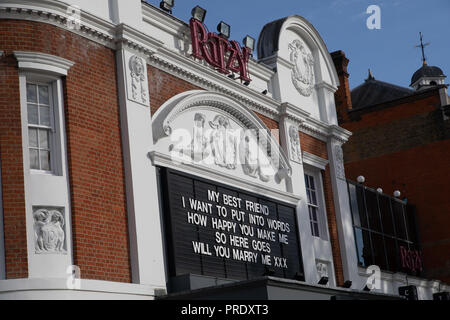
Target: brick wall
404	145
163	86
99	219
343	98
13	199
319	148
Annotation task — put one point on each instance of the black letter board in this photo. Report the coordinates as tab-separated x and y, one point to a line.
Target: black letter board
216	230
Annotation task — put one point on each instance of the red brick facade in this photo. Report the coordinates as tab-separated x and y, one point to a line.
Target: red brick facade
13	191
163	86
319	148
404	145
99	219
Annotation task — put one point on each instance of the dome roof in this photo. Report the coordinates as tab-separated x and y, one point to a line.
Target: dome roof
427	71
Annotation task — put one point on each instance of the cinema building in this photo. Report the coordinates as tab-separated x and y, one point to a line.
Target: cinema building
143	157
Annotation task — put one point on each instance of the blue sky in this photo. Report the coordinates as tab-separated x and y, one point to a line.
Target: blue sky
388	52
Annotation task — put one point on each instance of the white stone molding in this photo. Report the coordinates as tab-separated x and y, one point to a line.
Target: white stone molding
315	161
342	206
57	289
164	160
49	231
209	79
170	111
43	62
302	74
296	185
144	225
55	12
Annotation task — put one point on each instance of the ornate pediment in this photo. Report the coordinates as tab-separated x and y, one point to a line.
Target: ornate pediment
209	130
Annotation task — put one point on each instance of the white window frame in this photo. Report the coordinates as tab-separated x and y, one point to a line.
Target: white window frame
322	212
53	128
55	84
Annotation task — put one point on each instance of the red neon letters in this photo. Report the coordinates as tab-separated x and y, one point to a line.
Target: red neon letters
214	49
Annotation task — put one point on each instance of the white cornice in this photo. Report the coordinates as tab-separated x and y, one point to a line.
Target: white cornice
260	70
160	159
42	61
207	78
293	113
340	134
55	13
314	160
161	20
136	39
327	86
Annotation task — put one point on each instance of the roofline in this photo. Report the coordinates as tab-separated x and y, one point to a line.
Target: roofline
370	108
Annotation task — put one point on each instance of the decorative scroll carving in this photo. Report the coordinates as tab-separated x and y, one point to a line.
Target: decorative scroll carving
294	145
340	169
302	73
139	84
49	231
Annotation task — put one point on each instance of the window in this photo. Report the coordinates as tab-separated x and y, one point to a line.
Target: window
313	204
384	230
40	126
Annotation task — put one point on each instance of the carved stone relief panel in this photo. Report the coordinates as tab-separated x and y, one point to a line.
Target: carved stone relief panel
217	140
302	73
49	230
294	145
137	82
340	169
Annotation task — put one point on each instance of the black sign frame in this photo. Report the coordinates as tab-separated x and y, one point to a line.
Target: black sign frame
181	263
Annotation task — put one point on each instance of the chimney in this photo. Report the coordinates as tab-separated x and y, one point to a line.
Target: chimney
342	96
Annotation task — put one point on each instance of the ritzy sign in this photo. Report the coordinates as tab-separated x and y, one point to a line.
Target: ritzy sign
226	56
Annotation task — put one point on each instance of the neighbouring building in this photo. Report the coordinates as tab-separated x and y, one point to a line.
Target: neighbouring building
401	142
142	157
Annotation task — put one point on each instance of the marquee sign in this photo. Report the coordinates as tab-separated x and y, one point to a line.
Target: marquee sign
226	56
219	231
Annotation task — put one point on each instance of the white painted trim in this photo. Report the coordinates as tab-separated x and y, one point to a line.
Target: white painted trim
37	61
315	161
56	288
57	190
326	86
163	160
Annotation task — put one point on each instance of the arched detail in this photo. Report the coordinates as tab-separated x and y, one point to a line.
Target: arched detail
302	27
194	100
269	42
